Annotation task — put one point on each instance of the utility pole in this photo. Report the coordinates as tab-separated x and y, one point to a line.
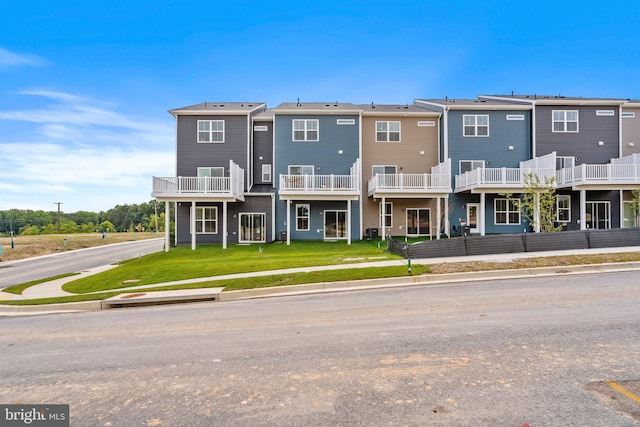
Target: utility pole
58	203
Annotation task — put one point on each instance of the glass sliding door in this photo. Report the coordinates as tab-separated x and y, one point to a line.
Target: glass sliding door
252	228
335	224
599	215
418	222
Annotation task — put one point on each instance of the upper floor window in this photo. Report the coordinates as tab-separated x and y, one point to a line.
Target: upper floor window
210	130
387	131
563	162
383	169
565	120
469	165
208	172
305	129
266	173
476	125
301	170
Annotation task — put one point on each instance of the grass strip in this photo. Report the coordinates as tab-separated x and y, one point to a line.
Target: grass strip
18	289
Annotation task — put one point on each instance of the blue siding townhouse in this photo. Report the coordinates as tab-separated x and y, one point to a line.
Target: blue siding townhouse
489	144
317	168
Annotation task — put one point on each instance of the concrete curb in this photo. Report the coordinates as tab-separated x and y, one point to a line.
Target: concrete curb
216	294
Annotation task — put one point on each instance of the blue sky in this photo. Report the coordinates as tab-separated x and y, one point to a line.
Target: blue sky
85	87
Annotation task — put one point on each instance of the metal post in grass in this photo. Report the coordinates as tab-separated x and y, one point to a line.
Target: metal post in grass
409	265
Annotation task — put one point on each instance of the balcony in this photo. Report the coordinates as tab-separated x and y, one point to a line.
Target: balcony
412	185
211	189
322	187
610	176
506	180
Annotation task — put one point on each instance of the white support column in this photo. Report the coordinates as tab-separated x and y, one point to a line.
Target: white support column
348	222
583	209
167	222
482	213
289	221
193	225
538	217
439	220
622	209
224	225
383	211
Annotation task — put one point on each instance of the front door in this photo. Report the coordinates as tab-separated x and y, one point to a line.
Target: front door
335	224
599	215
473	216
418	222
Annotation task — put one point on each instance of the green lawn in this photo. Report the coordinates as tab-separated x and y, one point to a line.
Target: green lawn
211	260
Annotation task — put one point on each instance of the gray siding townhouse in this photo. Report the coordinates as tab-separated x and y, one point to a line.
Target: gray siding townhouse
217	195
317	171
488	143
593	176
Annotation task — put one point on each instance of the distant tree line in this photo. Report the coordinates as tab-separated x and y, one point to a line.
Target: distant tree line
121	218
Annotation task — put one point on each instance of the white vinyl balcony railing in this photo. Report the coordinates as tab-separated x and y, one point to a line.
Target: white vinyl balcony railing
498	177
201	187
318	183
599	174
409	183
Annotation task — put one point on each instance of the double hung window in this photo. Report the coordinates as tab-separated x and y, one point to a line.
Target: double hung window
387	131
476	125
565	120
211	131
305	129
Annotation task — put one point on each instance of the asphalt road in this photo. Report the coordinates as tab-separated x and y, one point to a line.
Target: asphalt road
507	353
22	271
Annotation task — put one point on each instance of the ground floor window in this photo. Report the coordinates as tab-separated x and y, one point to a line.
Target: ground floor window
563	208
252	227
418	222
302	217
206	220
506	212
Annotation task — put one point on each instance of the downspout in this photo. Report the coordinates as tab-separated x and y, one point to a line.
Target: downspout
360	177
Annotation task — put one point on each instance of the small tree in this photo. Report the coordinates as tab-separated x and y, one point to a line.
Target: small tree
538	202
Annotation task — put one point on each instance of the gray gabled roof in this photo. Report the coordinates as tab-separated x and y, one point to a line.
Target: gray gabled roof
471	104
316	108
226	108
556	99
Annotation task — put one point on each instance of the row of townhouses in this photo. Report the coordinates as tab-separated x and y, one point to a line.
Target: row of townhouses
246	173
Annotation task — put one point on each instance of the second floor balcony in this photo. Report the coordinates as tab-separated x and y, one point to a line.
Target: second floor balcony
318	186
612	176
498	179
201	188
412	185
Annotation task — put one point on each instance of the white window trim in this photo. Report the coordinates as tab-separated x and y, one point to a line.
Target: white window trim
203	220
211	169
385	167
565	121
260	128
507	212
301	167
211	132
266	172
460	162
605	113
428	123
567	209
628	115
406	222
386	215
308	216
475	125
388	132
306	130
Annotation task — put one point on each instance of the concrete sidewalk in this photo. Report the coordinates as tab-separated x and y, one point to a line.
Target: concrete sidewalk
54	288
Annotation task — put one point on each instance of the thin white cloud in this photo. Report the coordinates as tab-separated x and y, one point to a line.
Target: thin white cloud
11	59
84	152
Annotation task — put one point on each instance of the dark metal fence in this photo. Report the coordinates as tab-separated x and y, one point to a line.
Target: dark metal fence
514	243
